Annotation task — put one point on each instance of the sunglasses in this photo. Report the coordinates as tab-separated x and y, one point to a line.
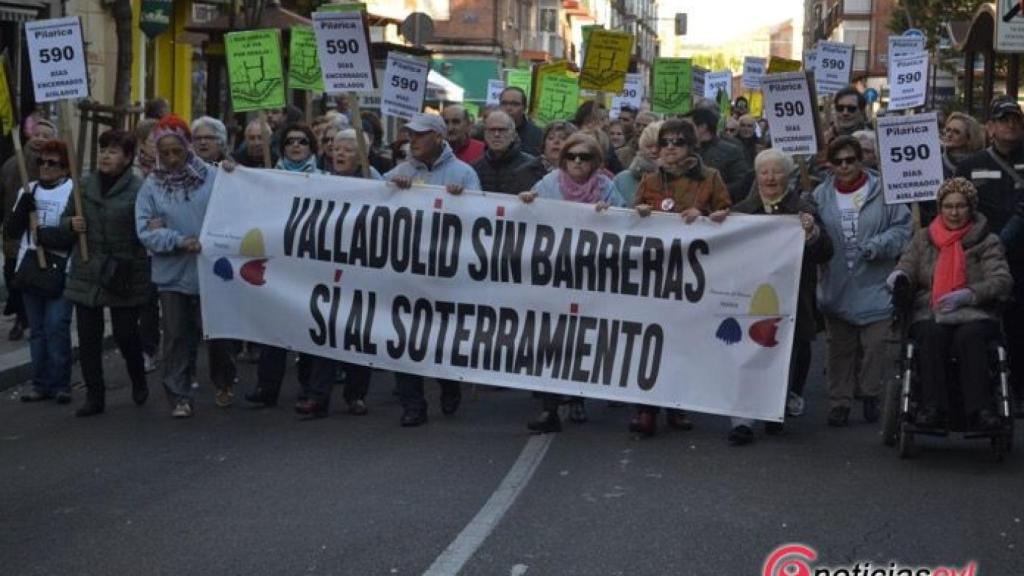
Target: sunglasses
677	142
851	160
40	162
847	109
579	157
299	141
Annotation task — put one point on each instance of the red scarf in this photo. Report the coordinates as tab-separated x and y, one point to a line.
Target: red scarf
951	266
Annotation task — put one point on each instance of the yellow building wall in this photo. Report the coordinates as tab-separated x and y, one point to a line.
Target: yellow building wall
174	64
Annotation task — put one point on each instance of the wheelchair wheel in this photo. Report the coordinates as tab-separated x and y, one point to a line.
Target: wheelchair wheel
906	440
891	412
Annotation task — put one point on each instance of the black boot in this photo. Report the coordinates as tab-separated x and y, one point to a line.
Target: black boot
90	408
545	422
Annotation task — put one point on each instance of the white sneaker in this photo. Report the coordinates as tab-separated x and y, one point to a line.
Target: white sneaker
182	410
148	362
794	404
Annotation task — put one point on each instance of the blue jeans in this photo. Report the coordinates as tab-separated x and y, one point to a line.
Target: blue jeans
49	321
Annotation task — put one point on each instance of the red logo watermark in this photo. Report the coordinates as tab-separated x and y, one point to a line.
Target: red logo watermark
799	560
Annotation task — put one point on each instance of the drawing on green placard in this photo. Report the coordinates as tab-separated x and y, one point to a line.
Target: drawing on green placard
254	70
304	64
673	86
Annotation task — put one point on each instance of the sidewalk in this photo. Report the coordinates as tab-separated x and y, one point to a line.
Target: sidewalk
15	360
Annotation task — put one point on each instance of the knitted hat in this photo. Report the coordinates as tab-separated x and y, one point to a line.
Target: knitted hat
172	125
961	186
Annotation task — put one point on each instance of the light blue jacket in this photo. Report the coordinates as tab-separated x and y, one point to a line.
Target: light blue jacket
446	170
174	270
550	188
859	295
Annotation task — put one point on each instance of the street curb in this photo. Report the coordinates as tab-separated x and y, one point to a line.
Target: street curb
16	367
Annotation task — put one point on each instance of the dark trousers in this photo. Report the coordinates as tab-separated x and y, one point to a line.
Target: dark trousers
125	325
322	374
799	365
410	390
149	323
272	367
1013	325
968	342
15	303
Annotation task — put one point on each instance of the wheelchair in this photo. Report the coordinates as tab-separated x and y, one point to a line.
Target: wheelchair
902	392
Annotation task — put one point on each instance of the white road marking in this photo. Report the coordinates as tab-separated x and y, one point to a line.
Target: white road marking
451	561
519	570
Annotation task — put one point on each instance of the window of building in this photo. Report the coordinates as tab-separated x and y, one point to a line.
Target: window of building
548	20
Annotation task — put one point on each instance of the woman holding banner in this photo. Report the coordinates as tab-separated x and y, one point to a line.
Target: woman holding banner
49	313
868	236
776	193
169	214
578	179
684	185
346	155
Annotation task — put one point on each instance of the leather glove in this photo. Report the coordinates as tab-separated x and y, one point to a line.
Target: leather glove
955	300
902	291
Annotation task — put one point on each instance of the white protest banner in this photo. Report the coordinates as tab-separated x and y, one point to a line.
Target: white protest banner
1009	36
790	112
753	70
57	57
810	60
911	157
494	89
900	46
700	76
632	95
718	81
908	81
550	296
833	68
343	46
405	86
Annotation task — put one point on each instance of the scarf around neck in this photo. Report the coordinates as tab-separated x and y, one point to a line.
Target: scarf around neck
588	192
641	165
190	176
950	271
307	166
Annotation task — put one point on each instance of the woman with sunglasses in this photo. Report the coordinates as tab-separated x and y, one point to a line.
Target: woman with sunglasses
868	236
579	178
49	314
298	149
683	185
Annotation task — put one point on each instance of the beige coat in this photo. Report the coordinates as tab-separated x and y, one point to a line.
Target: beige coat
988	275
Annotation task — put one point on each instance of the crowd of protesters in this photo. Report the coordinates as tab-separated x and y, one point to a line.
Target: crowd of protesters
143	206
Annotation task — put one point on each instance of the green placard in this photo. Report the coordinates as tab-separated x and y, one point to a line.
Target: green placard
672	86
558	99
472	109
724	110
520	79
255	71
155	17
303	63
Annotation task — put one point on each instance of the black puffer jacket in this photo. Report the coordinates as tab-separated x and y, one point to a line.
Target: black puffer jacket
512	173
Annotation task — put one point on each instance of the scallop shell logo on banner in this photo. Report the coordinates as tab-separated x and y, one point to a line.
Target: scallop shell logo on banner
765	303
253	269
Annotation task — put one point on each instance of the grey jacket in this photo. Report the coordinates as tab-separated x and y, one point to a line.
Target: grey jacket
859	295
446	170
174	270
988	275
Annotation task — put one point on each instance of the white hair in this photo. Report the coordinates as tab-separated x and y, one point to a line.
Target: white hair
219	130
350	135
866	138
773	155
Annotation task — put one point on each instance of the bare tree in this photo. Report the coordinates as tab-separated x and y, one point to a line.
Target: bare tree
122	10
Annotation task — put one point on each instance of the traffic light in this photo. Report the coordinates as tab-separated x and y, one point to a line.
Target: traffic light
681	24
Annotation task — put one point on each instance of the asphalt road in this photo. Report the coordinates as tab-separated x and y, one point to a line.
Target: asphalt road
255	492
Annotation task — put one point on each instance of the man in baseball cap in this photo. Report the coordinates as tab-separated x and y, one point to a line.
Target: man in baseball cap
431	161
1003	106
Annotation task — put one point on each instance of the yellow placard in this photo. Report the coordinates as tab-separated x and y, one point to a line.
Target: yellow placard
6	105
778	65
606	61
756	101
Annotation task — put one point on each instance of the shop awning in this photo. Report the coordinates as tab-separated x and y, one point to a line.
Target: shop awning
471	74
440	89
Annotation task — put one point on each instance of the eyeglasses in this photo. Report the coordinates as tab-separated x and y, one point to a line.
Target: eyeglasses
851	160
299	141
498	130
676	142
847	109
40	162
730	130
579	157
510	103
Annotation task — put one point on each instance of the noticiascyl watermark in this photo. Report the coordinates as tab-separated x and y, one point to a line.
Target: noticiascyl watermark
800	560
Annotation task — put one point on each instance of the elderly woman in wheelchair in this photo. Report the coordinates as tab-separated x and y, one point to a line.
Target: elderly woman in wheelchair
955	277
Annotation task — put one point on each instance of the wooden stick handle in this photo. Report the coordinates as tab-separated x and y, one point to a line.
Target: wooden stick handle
357	123
76	192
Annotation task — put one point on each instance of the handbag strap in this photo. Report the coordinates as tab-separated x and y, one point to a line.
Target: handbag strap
1017	178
